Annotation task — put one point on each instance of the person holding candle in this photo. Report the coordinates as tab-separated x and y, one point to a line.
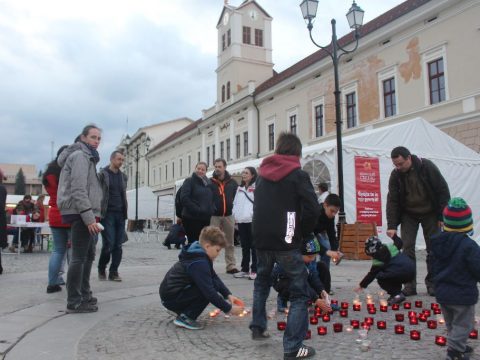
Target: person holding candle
390	267
456	269
191	283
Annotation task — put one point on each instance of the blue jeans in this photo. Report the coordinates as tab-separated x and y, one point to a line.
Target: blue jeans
324	243
112	240
190	301
60	239
292	262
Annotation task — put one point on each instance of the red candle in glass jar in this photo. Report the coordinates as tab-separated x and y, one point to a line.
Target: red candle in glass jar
322	330
369	320
343	313
395	306
355	324
357	307
427	312
418	303
381	324
326	318
440	340
432	324
437	311
308	335
334	302
415	335
407	305
399	329
422	317
365	325
473	334
434	306
412	314
383	308
344	305
337	327
399	317
413	321
313	320
372	311
281	325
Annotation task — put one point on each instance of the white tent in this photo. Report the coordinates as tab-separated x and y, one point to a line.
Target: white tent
147	203
459	164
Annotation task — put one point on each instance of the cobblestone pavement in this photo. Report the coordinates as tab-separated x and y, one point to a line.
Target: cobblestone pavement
131	323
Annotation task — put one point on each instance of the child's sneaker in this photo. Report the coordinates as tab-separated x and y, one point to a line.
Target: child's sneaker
184	321
240	274
397	299
302	353
456	355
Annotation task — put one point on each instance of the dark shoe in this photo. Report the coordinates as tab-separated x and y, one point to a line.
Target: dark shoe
409	292
302	353
167	245
232	271
259	334
456	355
184	321
177	246
84	307
92	301
431	291
468	350
102	275
53	288
113	276
397	299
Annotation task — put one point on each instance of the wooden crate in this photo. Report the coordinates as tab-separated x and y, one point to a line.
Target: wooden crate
352	239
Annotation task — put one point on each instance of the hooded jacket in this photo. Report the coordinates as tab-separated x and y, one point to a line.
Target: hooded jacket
79	189
195	268
456	268
104	177
286	207
223	194
196	198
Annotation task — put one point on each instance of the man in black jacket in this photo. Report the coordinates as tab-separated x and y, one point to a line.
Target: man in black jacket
285	212
417	194
224	189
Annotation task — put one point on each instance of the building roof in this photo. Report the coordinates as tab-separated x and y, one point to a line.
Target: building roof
177	134
144	129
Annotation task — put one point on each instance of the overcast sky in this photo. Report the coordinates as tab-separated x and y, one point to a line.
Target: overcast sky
65	63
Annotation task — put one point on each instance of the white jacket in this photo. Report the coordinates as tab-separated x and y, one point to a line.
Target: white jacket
242	206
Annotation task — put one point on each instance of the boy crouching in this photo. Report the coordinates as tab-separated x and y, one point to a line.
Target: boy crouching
191	284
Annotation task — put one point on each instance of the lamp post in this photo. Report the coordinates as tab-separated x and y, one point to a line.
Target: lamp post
355	20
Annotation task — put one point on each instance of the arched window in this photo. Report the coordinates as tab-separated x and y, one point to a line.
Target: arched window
318	172
228	90
223	93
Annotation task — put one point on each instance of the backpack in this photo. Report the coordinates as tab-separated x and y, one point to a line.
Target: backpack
178	203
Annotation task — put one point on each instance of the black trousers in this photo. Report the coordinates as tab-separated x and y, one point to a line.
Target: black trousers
193	227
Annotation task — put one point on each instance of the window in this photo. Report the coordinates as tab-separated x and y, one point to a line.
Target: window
351	110
223	93
389	102
222	149
173	169
166	172
228	90
318	120
198	157
246	35
224	46
181	167
160	174
293	124
213	153
189	164
229	37
436	80
258	37
228	149
237	145
208	156
271	136
154	177
245	143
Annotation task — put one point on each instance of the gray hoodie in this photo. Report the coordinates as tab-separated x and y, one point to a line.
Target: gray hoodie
79	189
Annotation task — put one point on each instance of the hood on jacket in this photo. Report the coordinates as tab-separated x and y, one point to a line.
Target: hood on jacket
276	167
226	177
194	250
67	152
448	242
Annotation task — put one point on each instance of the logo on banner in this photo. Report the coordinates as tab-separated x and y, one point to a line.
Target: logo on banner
367	190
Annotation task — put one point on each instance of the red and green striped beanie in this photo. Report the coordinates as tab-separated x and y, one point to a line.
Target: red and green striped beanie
457	216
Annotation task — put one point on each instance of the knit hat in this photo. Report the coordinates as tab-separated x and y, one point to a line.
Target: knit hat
372	245
457	216
311	246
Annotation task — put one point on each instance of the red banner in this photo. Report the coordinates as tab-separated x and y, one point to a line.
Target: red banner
367	190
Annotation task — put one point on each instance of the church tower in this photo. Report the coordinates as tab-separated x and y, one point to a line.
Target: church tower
244	48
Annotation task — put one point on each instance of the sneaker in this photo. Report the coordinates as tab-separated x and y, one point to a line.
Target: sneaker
259	334
167	245
456	355
252	276
232	271
184	321
53	288
113	276
102	275
397	299
409	292
84	307
240	274
302	353
92	301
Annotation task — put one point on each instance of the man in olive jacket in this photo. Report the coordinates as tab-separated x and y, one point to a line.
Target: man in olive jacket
417	195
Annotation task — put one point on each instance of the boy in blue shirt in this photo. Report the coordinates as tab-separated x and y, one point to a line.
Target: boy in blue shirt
456	270
191	284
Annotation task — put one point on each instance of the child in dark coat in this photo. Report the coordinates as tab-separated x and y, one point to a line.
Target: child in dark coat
176	236
191	284
456	270
390	267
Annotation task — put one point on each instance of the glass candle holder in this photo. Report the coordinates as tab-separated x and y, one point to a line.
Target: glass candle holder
422	317
357	307
434	306
440	319
432	324
281	325
369	320
313	320
383	308
362	333
326	318
322	330
473	334
334	302
412	313
308	335
413	321
395	306
348	328
415	335
343	313
427	312
399	329
355	323
399	317
381	324
344	305
372	311
440	340
437	311
365	345
337	327
365	325
418	303
407	305
318	312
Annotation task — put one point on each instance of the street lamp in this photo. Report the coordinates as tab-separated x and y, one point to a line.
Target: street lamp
355	20
145	141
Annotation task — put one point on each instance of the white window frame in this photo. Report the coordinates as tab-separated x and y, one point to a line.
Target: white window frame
383	75
315	103
270	121
291	112
347	89
439	51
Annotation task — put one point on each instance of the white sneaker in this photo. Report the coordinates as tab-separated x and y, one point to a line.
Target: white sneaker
252	276
240	274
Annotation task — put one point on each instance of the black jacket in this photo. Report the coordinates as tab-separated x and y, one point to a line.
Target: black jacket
327	225
223	194
284	196
433	181
196	198
104	178
456	268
